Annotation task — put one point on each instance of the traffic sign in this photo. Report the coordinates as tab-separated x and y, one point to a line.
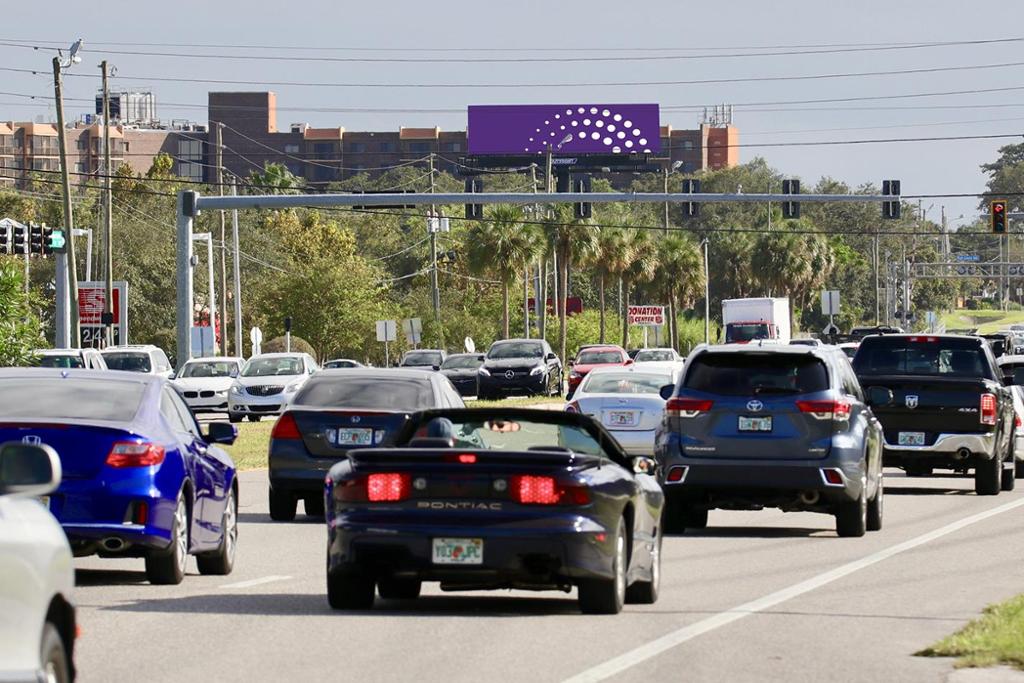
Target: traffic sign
830	329
646	315
256	337
413	330
387	330
970	258
469	345
830	302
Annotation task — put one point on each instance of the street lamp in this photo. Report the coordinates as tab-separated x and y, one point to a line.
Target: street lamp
669	171
70	297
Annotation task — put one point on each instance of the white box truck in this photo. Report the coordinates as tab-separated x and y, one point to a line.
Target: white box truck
747	320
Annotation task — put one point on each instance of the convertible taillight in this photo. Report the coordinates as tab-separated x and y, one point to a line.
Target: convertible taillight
135	454
529	489
285	429
988	409
389	487
687	407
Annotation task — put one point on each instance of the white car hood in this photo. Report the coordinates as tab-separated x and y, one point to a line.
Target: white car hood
270	380
204	383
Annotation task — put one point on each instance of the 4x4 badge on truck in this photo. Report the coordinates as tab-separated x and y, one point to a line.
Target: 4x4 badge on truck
911	401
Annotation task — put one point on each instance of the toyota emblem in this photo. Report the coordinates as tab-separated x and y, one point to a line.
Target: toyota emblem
31	440
509	374
754	406
356	419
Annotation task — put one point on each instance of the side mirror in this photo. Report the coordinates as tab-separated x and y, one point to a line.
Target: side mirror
221	432
234	372
878	396
551	356
481	358
667	391
435	367
629	361
644	465
28	470
173	375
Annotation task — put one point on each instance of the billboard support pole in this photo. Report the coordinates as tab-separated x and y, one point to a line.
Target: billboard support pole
62	338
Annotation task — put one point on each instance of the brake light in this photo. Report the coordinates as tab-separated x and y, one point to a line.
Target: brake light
467	458
135	454
529	489
929	340
285	428
687	407
988	409
1016	421
826	410
387	487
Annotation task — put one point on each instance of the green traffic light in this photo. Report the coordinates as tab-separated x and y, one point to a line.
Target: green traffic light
57	240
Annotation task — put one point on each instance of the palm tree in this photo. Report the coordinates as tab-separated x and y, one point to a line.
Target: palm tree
275	179
572	239
680	275
502	246
642	269
611	256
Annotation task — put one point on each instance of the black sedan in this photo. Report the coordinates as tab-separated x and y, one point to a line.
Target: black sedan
488	499
461	370
338	410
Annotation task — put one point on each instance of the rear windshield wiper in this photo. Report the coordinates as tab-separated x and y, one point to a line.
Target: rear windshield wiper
762	389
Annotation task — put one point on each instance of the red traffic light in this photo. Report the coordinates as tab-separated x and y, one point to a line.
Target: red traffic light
997	207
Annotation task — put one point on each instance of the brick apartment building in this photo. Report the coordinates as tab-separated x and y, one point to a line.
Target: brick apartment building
321	155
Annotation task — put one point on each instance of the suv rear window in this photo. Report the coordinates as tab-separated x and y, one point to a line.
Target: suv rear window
371	393
751	374
921	356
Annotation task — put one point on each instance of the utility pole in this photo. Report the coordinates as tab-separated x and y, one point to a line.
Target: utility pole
526	267
237	268
874	248
108	218
435	289
707	295
218	150
69	221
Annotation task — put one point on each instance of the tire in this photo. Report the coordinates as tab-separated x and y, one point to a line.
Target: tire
349	590
234	419
918	470
282	505
253	418
672	517
167	567
852	517
606	596
1009	478
399	589
1019	469
646	592
695	518
314	506
54	655
222	561
876	507
988	476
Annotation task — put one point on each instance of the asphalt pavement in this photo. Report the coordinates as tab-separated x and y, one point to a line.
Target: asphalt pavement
757	596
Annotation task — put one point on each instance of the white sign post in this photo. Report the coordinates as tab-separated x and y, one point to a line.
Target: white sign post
256	337
387	331
830	307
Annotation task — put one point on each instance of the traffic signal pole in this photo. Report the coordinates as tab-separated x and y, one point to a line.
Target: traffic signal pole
69	221
108	218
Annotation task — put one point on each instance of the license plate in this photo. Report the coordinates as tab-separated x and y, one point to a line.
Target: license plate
350	436
458	551
621	418
911	439
755	424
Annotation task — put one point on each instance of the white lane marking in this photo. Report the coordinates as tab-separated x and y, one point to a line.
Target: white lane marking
256	582
617	665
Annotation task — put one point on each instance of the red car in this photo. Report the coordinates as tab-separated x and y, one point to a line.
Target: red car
595	357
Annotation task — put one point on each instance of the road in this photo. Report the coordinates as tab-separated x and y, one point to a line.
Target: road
758	596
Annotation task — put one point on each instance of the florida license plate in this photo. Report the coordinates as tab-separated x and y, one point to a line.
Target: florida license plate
458	551
350	436
755	424
621	418
911	438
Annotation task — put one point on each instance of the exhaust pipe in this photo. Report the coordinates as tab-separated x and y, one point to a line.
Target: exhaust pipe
963	453
114	544
810	497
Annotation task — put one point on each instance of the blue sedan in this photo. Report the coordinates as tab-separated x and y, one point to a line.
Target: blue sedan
140	477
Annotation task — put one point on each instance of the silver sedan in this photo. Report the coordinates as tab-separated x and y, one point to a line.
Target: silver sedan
627	401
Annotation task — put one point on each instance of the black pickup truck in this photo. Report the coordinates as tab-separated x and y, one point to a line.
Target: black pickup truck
942	404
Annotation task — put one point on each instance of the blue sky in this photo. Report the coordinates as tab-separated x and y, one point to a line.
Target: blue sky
601	29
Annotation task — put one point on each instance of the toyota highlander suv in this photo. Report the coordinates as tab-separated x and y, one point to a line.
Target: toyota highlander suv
775	426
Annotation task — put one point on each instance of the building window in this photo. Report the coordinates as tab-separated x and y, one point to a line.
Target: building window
688	145
387	147
451	147
291	149
357	148
323	150
419	147
79	167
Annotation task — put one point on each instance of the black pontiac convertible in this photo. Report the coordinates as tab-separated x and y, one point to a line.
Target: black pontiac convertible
480	499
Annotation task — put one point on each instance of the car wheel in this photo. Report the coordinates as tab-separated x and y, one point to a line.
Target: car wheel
1020	468
988	476
233	418
672	517
852	517
282	505
606	596
314	506
253	418
1009	480
349	589
222	561
646	592
876	506
54	656
918	471
167	567
399	589
695	518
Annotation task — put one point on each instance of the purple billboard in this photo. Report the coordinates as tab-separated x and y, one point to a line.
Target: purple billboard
566	128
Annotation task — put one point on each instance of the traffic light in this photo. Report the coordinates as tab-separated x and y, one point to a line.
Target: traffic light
998	214
582	183
54	241
891	210
474	185
5	239
791	209
19	244
691	209
35	238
